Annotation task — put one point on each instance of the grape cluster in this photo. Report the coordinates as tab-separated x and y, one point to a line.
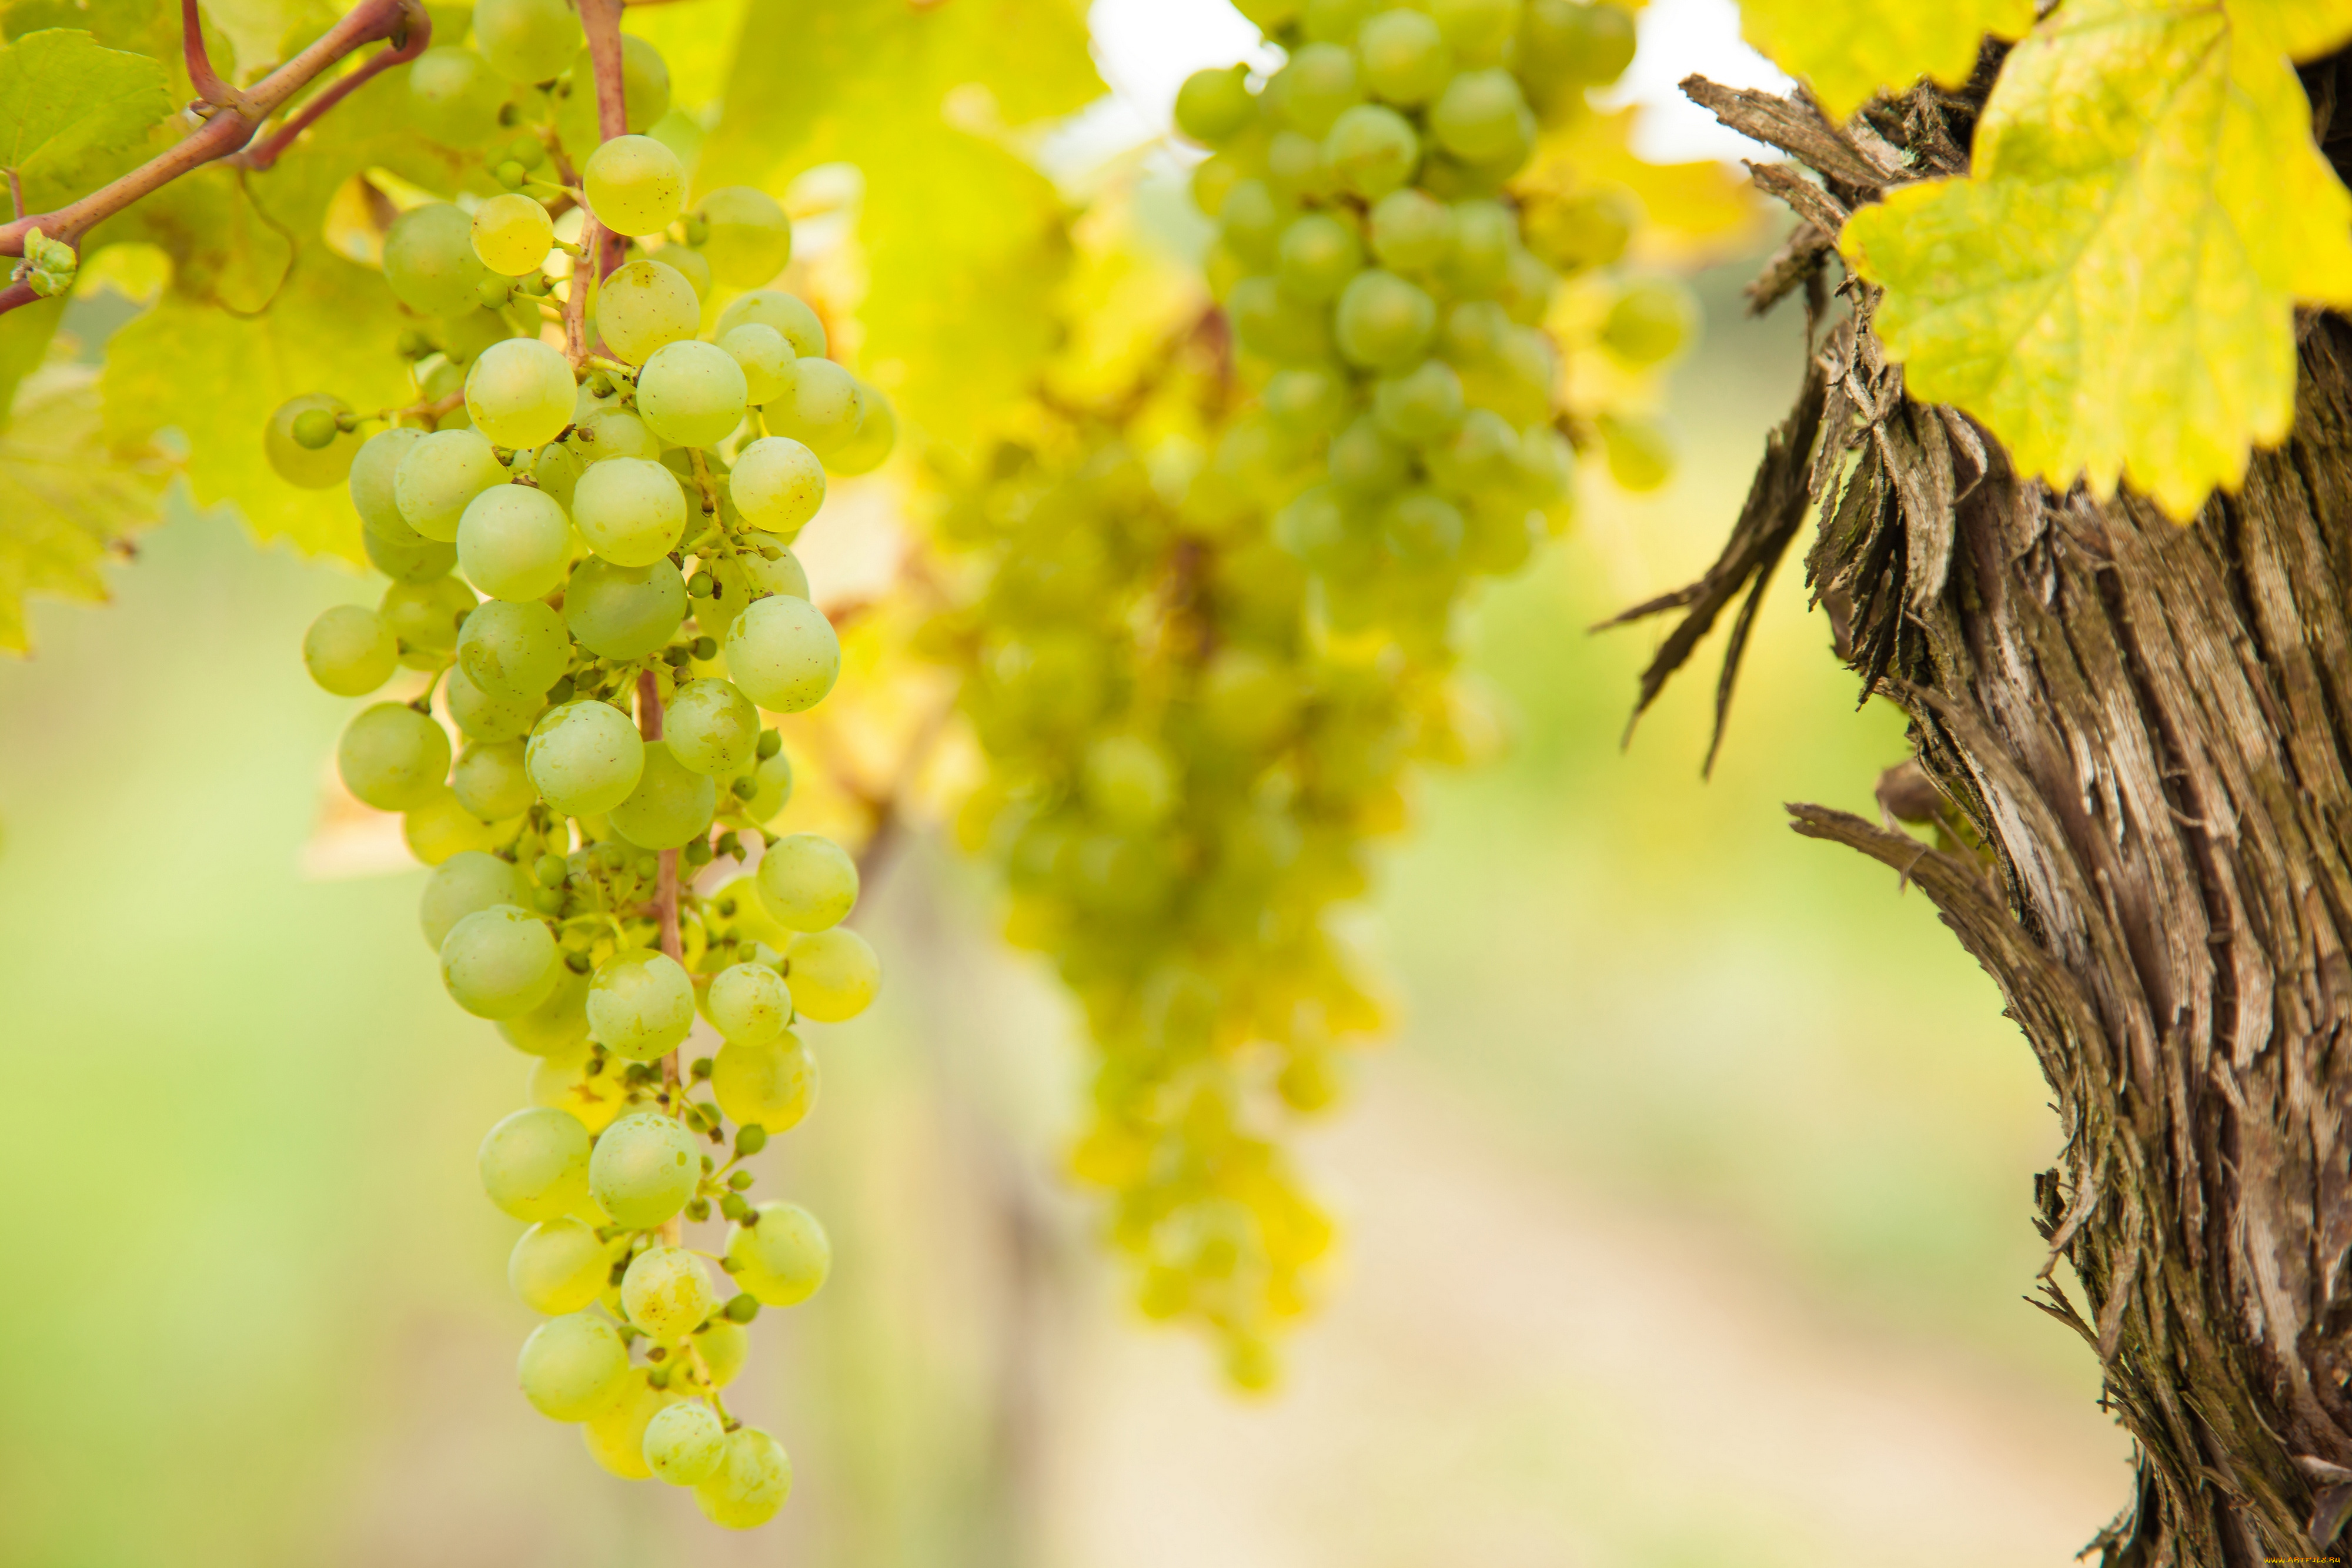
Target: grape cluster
592	572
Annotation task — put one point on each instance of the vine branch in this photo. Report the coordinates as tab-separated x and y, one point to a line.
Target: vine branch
600	250
234	119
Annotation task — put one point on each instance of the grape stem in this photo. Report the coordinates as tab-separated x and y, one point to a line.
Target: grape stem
650	725
230	126
601	20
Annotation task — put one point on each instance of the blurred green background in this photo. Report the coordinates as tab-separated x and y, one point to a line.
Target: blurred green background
1687	1215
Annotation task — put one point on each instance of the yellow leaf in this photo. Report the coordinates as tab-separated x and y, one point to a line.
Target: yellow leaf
2111	291
1848	49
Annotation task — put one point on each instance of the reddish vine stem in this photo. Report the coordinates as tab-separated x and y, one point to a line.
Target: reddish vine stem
207	82
600	250
230	126
650	727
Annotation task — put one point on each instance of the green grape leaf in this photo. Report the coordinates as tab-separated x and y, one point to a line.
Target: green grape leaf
263	32
963	237
1847	50
69	495
2111	291
66	101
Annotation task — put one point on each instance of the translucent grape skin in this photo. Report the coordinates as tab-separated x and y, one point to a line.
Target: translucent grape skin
747	1002
308	467
640	1004
558	1266
481	716
644	304
877	433
526	40
439	476
349	651
685	1444
513	648
711	728
1212	105
429	261
778	485
512	234
425	617
808	881
611	432
392	757
783	653
819	406
521	391
671	805
787	313
749	1484
623	613
462	885
615	1433
765	358
571	1365
634	185
491	782
833	974
749	238
499	962
767	1083
692	393
644	84
514	542
631	511
782	1259
439	827
454	97
414	560
585	757
370	479
534	1164
667	1292
558	1027
644	1169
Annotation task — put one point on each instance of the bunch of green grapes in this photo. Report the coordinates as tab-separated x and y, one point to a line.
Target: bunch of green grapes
593	599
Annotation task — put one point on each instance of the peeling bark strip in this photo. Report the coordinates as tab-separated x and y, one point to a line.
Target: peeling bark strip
2148	730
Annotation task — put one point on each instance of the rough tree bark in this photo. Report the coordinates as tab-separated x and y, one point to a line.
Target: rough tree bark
2138	737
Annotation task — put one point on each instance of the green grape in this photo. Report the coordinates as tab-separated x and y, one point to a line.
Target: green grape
491	782
711	728
645	88
642	306
349	651
463	884
1527	288
725	1348
782	1259
1383	322
1485	234
644	1167
1276	326
749	239
818	406
631	511
499	962
641	1003
1246	698
771	786
1212	106
833	974
512	234
877	433
526	40
392	757
425	617
685	1444
1318	254
616	432
439	476
623	613
312	428
1316	86
571	1366
1652	320
1404	56
1371	150
1586	44
1271	15
1480	456
557	1026
372	467
1482	117
1641	452
692	265
584	757
671	805
1333	21
487	717
692	393
784	574
808	881
521	393
565	1086
615	1433
1422	525
466	338
1294	167
513	648
429	260
748	1005
635	185
413	563
1476	330
667	1292
1586	231
778	485
783	654
439	827
454	97
1411	232
764	1083
1478	29
786	313
534	1164
1421	407
1130	781
558	1266
1305	401
1212	178
1253	221
751	1483
764	357
514	542
308	467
